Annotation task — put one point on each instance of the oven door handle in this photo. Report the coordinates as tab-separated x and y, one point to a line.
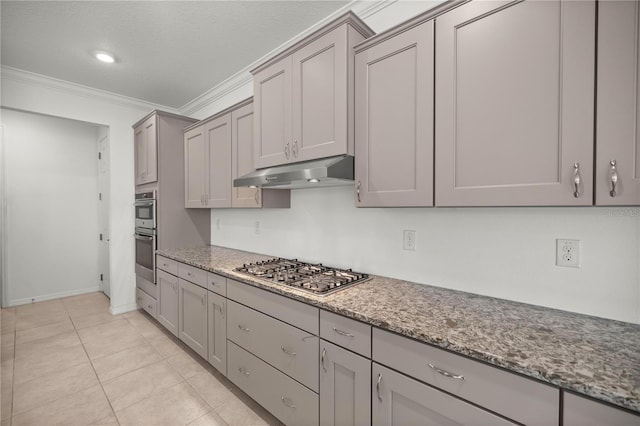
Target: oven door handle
142	237
144	203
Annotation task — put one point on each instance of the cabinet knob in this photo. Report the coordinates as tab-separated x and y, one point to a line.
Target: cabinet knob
614	178
576	180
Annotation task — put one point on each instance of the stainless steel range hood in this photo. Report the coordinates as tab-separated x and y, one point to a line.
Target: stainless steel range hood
331	171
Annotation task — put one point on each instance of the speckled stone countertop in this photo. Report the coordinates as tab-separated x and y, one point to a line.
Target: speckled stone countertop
589	355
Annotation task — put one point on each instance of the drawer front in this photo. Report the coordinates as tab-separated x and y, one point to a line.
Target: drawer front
345	332
579	411
147	286
513	396
146	302
289	349
400	400
193	274
166	264
286	399
290	311
217	283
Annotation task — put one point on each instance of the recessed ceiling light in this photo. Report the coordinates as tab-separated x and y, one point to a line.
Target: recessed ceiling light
105	57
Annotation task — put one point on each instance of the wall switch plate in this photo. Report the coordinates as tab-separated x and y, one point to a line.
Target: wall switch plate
568	253
409	240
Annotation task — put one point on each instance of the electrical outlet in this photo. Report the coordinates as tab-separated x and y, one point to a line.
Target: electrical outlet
409	239
257	227
568	253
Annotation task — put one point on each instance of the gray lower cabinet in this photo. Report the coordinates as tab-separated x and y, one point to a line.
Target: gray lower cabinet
514	103
617	137
288	400
168	312
345	379
400	400
217	332
193	317
394	120
579	411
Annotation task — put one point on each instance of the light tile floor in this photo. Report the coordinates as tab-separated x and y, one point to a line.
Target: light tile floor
70	362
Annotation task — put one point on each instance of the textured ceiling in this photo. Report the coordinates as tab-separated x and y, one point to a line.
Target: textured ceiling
167	52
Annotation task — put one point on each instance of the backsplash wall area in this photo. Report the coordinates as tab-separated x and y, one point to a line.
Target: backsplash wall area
501	252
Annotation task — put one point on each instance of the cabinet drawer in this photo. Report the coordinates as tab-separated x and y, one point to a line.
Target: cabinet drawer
147	286
193	274
289	349
579	411
286	399
513	396
400	400
146	302
217	283
166	264
348	333
290	311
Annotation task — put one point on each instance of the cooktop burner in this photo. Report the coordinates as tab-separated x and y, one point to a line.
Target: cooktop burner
314	278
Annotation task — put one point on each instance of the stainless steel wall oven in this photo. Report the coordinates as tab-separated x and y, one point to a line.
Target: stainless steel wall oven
145	235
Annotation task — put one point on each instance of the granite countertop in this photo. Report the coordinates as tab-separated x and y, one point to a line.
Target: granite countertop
588	355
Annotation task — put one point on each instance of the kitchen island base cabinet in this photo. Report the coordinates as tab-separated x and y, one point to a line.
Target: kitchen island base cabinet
579	411
168	312
399	400
217	332
286	399
345	379
193	317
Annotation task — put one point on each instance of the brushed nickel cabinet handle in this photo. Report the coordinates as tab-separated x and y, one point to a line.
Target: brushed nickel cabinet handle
244	371
203	302
343	333
288	402
294	149
243	328
378	386
614	178
287	352
358	191
576	180
324	353
286	151
446	373
256	197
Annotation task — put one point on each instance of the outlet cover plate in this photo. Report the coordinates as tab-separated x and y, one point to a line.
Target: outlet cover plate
409	239
568	253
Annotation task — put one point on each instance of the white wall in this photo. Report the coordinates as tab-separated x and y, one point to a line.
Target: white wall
52	208
30	92
501	252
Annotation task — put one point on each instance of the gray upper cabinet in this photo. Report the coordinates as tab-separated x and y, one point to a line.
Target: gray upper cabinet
345	379
218	138
146	151
196	180
394	119
303	96
242	156
617	140
514	104
579	411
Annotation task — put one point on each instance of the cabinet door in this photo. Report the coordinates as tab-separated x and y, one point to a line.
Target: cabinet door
196	168
242	156
272	101
399	400
344	387
578	411
618	111
394	121
146	157
514	102
193	317
218	137
320	97
217	332
168	301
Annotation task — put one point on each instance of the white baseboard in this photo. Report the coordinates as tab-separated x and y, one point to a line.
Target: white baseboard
53	296
117	310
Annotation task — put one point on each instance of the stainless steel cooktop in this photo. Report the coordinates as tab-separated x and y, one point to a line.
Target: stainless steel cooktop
313	278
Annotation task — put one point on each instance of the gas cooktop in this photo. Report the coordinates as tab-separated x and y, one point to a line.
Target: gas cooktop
313	278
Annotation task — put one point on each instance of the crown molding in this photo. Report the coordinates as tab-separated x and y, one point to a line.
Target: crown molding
362	8
33	79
